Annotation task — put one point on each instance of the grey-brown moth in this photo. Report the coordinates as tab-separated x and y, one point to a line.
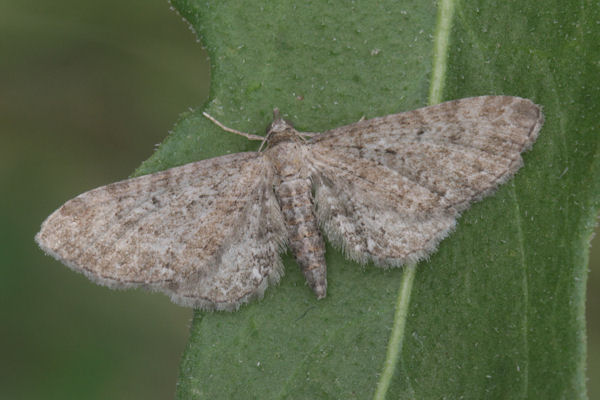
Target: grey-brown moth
385	190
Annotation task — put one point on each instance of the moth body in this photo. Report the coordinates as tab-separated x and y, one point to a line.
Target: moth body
293	189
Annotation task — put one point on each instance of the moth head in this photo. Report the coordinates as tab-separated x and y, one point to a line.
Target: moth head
280	130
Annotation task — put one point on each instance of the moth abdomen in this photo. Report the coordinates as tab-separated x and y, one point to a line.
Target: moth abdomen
304	237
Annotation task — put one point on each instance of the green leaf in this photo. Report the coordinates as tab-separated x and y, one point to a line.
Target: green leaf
498	311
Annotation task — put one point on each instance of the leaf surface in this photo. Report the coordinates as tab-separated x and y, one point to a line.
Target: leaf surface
498	311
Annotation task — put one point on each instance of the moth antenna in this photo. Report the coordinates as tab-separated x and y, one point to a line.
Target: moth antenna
226	129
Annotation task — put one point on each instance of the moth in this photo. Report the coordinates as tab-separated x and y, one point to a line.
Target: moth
385	190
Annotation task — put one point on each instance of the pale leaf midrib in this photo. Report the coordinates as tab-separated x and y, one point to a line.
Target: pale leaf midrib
438	76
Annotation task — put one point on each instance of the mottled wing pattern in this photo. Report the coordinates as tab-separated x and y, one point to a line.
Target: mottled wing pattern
206	233
390	188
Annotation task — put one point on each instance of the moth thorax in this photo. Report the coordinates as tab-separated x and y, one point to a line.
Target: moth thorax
287	158
287	135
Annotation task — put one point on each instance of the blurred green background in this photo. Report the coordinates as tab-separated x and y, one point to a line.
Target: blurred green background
86	91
